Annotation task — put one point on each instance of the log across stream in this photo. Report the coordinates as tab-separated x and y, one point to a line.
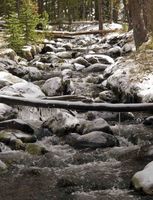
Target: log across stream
35	102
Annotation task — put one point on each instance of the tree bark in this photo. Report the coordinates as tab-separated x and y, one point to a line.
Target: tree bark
140	32
100	10
76	105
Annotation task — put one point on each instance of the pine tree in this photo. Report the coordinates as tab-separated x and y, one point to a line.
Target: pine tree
29	18
15	32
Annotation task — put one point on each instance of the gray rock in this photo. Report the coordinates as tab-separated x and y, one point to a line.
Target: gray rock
91	59
7	112
115	52
127	48
78	67
143	180
98	124
95	139
35	149
108	96
24	89
48	48
101	58
53	87
17	124
61	123
65	54
148	121
68	46
97	67
3	166
7	78
32	74
82	61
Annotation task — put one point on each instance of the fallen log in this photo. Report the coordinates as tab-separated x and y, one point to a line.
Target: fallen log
68	34
120	107
67	97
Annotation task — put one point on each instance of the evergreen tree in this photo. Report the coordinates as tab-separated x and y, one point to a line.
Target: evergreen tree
15	32
29	18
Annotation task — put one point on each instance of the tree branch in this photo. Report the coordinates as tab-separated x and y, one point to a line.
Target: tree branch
76	105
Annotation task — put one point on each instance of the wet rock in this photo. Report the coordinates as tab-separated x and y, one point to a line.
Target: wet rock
16	144
16	124
93	140
97	67
48	48
35	149
80	60
95	79
4	148
91	59
115	52
25	89
78	67
3	166
68	46
104	59
65	55
14	136
143	180
66	66
108	96
61	123
98	124
148	121
53	87
7	112
25	138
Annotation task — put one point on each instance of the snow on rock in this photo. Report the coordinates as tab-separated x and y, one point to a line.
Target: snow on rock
144	179
126	77
88	27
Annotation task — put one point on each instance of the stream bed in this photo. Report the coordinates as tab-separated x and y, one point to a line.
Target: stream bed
55	154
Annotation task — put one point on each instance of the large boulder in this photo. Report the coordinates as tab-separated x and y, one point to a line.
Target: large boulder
95	139
61	122
53	87
24	89
131	79
7	78
143	180
99	124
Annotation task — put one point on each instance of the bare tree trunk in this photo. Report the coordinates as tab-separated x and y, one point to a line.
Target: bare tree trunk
100	8
140	32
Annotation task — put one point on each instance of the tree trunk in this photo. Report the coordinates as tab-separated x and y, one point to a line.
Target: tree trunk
100	8
140	32
40	6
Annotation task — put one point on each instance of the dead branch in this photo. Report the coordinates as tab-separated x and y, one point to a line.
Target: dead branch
10	100
68	34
